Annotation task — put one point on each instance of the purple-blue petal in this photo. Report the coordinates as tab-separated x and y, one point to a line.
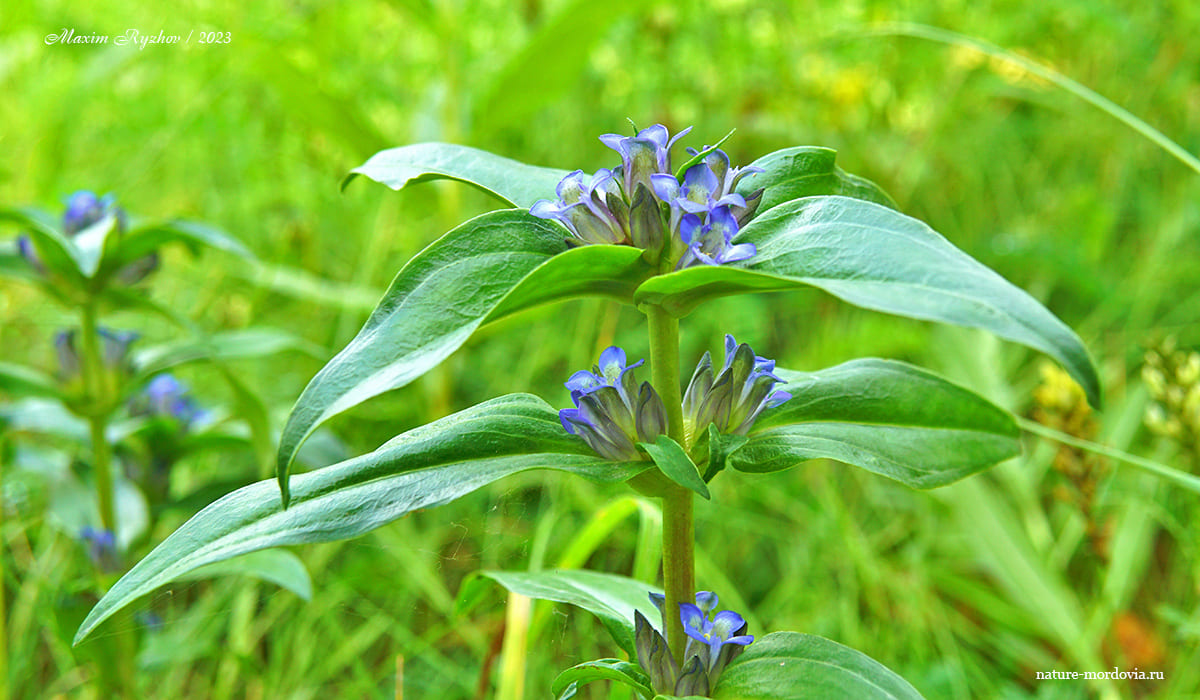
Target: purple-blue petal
666	187
706	601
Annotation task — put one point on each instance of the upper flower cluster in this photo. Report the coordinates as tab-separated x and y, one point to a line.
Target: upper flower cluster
83	211
641	203
713	641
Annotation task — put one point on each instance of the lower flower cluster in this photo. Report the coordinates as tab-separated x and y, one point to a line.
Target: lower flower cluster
714	640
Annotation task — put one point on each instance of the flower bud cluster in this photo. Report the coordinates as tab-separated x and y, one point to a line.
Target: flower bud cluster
1173	377
116	364
713	642
641	203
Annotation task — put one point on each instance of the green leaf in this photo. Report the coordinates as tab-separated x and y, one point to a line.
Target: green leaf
143	240
879	259
96	244
227	345
675	463
19	380
57	253
805	171
719	446
512	181
493	265
423	468
604	670
700	155
887	417
278	566
307	287
609	597
794	666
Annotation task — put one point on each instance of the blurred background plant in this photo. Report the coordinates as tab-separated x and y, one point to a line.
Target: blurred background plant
966	591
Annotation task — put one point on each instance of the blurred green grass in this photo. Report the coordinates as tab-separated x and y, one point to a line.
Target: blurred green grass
255	136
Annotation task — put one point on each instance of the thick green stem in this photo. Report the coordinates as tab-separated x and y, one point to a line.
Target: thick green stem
117	669
98	399
679	568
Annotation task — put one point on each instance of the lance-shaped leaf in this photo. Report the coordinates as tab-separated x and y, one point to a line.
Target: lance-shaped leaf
57	252
611	598
806	667
278	566
19	380
225	345
514	182
887	417
488	267
675	463
880	259
144	239
805	171
423	468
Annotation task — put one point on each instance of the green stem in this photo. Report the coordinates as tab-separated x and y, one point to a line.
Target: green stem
679	566
98	399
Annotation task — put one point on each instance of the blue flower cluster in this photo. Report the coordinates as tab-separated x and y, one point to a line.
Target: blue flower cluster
713	642
167	397
733	398
83	211
612	414
116	362
641	203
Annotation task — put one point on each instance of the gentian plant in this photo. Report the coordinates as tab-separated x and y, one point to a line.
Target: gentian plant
110	409
663	233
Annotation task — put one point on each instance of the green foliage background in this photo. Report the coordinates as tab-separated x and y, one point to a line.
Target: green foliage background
965	591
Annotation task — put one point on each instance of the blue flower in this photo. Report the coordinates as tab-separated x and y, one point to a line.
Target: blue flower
85	209
708	636
728	177
166	397
586	207
711	243
114	353
102	548
733	398
713	641
643	155
612	412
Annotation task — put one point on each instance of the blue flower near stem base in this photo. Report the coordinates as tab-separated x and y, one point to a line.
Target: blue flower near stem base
641	203
713	642
101	547
732	399
612	412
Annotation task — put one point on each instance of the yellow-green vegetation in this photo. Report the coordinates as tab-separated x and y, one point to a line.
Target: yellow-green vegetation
1059	559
